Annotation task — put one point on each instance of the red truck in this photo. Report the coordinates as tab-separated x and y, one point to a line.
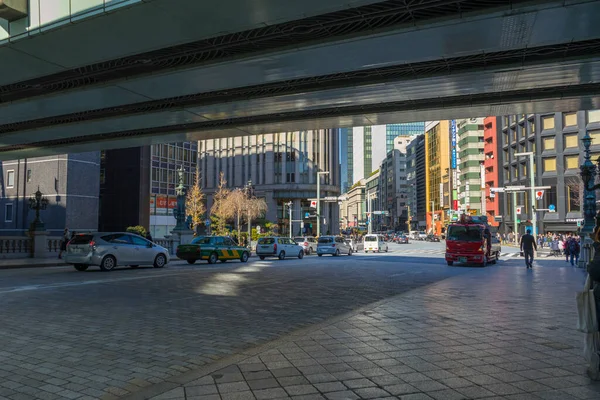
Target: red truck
469	241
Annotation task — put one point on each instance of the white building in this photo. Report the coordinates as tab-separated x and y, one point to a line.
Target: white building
368	150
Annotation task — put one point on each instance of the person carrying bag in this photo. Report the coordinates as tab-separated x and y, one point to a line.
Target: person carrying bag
588	309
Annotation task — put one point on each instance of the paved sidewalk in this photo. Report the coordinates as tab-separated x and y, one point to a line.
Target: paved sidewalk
495	333
12	263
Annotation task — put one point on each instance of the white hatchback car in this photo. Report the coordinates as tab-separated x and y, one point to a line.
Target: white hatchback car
279	247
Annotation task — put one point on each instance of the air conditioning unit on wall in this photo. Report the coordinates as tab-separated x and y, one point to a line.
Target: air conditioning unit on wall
12	10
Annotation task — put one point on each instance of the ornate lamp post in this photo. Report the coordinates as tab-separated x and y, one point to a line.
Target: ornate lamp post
38	202
588	175
250	194
180	213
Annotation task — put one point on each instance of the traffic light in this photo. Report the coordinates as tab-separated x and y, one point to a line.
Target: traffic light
518	221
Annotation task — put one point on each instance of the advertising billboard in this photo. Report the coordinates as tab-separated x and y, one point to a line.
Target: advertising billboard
453	143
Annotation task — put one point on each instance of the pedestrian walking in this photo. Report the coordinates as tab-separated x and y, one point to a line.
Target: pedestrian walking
573	250
528	245
63	243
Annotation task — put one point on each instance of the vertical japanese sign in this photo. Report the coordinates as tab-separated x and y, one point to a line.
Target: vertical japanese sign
453	143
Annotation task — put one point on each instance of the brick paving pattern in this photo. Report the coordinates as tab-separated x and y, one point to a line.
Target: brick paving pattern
498	333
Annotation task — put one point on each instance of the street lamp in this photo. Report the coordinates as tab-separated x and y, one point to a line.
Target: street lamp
290	204
588	175
370	211
250	194
319	200
432	204
532	189
38	202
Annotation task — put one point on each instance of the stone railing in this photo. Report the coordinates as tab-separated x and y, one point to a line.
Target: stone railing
53	244
167	244
16	246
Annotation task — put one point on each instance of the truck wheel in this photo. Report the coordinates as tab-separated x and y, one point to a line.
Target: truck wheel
450	263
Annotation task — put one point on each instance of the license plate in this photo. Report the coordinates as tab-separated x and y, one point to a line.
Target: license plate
462	259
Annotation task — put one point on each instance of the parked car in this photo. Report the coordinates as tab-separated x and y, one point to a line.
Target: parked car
375	243
278	247
212	249
356	245
308	243
432	238
403	239
111	249
334	245
422	235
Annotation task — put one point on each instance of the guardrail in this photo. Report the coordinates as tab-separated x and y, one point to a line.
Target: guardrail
167	244
16	245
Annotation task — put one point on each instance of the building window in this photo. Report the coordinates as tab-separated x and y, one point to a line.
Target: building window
8	212
532	124
571	141
550	164
10	179
28	176
572	162
593	116
595	138
548	122
570	119
549	143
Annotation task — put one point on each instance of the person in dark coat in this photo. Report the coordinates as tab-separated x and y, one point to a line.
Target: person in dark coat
149	237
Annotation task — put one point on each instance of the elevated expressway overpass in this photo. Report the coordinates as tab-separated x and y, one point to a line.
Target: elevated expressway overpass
160	71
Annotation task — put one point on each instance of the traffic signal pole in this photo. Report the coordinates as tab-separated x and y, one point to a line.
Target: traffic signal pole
514	194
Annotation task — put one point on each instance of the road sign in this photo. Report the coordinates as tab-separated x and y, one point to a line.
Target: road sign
498	218
306	215
539	194
302	225
207	222
313	204
497	190
518	210
578	223
492	195
552	208
513	188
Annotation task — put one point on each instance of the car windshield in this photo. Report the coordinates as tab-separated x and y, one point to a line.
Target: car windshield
298	240
325	240
464	233
266	240
370	238
201	240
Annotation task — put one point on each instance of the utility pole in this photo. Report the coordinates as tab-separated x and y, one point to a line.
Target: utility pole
514	194
319	201
532	190
290	204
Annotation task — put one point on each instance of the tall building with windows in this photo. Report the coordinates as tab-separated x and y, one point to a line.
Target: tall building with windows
416	181
555	140
368	150
68	181
392	131
471	168
492	154
437	159
149	176
282	168
346	158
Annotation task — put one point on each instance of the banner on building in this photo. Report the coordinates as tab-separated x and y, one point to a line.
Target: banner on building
482	171
165	204
441	195
152	204
453	143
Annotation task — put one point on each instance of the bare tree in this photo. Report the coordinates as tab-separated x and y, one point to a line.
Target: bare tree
257	207
219	209
194	203
575	186
236	204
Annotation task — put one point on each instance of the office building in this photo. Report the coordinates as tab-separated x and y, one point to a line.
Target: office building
368	150
68	181
471	168
282	168
416	176
353	208
393	185
492	155
555	140
346	158
149	176
410	129
438	172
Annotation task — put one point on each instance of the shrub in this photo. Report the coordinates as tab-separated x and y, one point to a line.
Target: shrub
140	230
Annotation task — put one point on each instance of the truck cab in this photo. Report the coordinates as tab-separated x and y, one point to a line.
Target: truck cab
470	241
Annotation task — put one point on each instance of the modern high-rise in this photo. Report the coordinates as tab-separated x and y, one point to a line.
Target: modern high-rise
368	150
346	158
282	168
555	140
392	131
68	181
471	168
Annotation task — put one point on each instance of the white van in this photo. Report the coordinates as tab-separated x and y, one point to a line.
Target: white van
375	243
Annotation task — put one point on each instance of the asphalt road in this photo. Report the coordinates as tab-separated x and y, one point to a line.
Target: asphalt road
68	333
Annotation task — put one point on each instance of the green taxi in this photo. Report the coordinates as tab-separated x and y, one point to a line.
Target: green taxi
212	249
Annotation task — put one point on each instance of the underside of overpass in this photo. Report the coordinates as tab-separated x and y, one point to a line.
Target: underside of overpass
153	73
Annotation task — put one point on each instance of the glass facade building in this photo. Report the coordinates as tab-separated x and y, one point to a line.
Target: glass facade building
392	131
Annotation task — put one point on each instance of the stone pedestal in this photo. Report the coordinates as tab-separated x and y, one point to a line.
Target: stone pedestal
181	236
40	244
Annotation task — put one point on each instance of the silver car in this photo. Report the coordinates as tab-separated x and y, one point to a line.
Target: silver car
334	245
111	249
280	247
308	243
357	245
